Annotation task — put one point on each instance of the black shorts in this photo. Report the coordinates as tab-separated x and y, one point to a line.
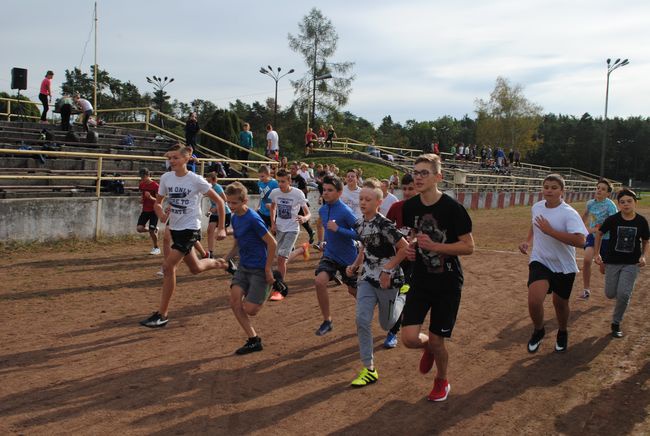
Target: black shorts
560	283
441	298
331	266
214	218
183	240
150	217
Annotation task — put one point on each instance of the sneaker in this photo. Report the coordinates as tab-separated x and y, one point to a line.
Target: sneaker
276	296
324	328
585	294
317	246
440	391
305	251
251	345
279	285
155	251
426	362
160	272
561	341
405	288
536	340
391	340
155	320
616	331
232	268
337	279
365	378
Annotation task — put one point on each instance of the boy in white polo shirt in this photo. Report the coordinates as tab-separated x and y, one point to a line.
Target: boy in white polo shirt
556	230
286	202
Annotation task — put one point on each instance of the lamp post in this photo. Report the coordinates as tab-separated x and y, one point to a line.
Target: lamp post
313	102
610	67
159	85
275	75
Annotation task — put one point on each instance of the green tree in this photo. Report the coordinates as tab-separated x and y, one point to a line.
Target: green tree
508	119
316	43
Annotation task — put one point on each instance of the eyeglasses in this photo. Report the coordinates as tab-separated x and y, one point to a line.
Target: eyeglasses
423	173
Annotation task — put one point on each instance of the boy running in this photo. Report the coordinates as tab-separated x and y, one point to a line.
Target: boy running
555	231
351	191
286	202
266	184
340	250
625	254
597	210
252	281
184	191
381	277
149	189
213	213
442	232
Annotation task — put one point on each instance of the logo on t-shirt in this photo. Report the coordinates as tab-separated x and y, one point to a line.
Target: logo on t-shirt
626	239
178	199
284	208
428	225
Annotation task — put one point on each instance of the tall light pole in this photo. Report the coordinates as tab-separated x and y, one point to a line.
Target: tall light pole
275	75
159	91
610	67
313	103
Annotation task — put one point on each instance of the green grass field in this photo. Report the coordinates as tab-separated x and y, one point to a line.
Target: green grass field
369	169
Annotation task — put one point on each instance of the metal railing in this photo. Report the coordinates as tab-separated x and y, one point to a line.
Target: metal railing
98	175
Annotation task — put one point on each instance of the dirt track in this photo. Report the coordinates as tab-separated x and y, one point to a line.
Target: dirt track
74	359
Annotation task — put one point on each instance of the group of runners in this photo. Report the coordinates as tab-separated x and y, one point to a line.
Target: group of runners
405	262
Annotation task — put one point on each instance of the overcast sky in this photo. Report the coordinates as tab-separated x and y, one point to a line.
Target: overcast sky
413	59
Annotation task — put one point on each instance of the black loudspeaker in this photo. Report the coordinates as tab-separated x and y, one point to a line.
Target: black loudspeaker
19	78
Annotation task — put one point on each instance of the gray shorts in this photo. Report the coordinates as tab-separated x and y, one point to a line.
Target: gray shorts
253	283
286	242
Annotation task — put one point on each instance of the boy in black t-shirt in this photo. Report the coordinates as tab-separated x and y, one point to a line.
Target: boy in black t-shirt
625	254
297	181
442	231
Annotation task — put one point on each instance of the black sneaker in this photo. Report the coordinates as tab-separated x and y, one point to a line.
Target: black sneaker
561	341
536	340
232	268
616	331
155	320
324	328
251	345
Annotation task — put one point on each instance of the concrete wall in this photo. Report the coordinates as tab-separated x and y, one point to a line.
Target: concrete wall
44	219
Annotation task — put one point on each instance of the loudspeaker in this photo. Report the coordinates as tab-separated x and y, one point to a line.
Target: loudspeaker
19	78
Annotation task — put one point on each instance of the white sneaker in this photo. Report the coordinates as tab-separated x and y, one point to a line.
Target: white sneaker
155	251
585	295
160	273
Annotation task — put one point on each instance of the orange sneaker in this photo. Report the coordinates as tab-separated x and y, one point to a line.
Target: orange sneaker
426	362
440	390
305	252
276	296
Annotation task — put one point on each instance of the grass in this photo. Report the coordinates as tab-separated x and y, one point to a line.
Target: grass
370	169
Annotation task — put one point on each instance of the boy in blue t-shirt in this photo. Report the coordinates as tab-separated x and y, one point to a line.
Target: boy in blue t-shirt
266	184
340	249
252	281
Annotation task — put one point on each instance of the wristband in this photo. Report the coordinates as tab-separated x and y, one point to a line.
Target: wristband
387	271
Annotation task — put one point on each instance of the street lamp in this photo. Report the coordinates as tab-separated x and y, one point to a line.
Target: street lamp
159	85
610	67
313	102
275	75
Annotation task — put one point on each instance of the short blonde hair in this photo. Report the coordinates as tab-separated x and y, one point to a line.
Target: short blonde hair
236	189
432	159
375	185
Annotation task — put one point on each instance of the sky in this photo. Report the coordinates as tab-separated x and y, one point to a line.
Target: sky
413	59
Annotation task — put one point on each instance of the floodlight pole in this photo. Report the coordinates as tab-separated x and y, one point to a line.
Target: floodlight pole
610	68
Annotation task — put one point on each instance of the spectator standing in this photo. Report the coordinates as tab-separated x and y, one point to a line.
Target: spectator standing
45	94
65	110
322	134
331	134
272	143
310	137
191	130
246	141
86	110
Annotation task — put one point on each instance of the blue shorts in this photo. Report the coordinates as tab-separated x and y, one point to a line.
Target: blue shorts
591	241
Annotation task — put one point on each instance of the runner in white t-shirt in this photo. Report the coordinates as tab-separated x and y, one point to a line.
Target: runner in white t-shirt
388	200
286	202
556	230
272	142
351	191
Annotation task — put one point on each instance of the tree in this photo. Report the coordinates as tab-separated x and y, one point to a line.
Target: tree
316	42
508	119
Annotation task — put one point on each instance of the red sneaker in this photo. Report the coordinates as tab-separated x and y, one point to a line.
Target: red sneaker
426	362
440	390
276	296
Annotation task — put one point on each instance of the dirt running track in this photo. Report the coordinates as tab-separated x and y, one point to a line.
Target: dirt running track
75	361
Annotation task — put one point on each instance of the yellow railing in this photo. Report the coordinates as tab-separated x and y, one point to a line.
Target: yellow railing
10	114
101	157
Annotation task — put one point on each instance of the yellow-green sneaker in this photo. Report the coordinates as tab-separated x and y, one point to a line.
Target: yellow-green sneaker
405	288
365	378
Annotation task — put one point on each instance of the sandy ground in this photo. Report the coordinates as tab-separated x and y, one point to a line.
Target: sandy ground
74	359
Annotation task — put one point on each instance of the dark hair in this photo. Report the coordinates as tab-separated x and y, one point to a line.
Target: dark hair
606	182
282	173
144	172
179	147
49	72
407	179
334	181
626	192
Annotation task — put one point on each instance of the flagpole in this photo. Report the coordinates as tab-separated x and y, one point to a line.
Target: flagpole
95	69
